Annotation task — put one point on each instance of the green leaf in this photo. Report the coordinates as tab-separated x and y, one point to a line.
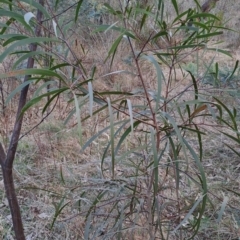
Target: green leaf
30	71
111	135
8	23
113	27
236	152
38	6
13	16
58	209
231	137
110	9
56	4
96	201
175	160
155	161
235	125
25	42
78	9
30	104
159	78
9	3
90	92
200	25
209	35
100	132
67	27
159	34
124	135
30	54
115	93
88	226
180	16
51	99
175	5
160	11
203	183
234	70
58	66
195	87
189	213
36	94
39	98
203	15
13	39
223	207
62	175
145	15
221	51
114	47
109	144
11	35
15	91
188	46
78	115
176	129
235	192
199	135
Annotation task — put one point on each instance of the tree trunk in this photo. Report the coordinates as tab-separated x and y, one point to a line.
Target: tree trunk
13	203
6	160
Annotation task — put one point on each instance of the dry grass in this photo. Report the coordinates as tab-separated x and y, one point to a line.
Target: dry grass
50	166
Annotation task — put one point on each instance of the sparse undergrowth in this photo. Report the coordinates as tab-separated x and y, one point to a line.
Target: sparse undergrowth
132	134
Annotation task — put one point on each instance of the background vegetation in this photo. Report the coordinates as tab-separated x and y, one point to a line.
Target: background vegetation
130	130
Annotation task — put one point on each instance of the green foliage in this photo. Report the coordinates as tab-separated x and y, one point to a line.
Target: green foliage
156	123
224	77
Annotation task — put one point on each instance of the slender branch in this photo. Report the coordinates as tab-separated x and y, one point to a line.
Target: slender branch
68	45
59	14
40	120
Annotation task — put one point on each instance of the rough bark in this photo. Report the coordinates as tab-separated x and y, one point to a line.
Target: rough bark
6	160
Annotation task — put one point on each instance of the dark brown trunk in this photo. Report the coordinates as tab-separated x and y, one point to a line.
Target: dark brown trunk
13	203
6	160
